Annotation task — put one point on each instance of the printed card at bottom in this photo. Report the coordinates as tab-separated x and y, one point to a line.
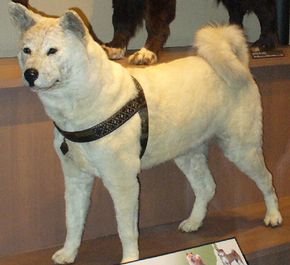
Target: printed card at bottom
225	252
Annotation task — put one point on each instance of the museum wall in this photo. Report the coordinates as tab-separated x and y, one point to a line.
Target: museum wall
190	15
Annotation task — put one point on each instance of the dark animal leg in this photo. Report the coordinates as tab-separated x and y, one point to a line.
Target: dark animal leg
23	2
235	10
267	16
158	16
127	16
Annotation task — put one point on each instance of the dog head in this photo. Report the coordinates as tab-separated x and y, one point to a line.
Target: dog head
53	50
194	259
221	253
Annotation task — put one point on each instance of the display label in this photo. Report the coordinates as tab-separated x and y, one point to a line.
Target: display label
267	54
226	252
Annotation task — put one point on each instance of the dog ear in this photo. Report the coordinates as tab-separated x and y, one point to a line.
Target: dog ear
71	21
21	16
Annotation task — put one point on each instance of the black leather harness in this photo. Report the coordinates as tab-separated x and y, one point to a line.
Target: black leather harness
136	105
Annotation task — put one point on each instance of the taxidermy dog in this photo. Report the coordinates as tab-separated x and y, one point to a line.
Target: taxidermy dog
267	16
128	15
104	112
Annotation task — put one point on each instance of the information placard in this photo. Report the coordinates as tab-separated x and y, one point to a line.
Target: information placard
226	252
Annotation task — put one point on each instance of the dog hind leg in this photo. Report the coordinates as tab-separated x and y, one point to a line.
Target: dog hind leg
235	10
249	159
266	14
78	187
194	166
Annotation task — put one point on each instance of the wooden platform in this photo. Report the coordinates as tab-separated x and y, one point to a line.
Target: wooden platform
261	245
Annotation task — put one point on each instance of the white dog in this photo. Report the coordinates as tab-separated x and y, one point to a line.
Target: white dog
189	101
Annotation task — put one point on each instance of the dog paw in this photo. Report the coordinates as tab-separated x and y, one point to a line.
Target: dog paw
64	256
114	53
189	225
265	43
131	254
143	56
129	259
273	219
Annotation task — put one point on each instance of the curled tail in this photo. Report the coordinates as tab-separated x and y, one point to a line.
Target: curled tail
226	50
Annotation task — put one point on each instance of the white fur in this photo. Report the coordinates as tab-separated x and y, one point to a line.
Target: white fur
230	59
190	100
114	53
143	56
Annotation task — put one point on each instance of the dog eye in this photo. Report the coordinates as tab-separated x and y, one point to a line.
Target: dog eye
51	51
26	50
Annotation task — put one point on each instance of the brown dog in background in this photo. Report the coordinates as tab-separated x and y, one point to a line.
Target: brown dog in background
128	15
158	14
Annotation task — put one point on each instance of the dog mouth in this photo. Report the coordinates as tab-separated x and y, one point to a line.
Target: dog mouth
38	89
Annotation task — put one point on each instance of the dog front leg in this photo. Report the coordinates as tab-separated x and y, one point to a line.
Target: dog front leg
78	187
125	198
127	16
158	16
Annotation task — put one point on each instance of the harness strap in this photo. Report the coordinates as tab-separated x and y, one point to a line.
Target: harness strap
136	105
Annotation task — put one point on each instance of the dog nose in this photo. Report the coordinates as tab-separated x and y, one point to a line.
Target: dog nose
31	75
